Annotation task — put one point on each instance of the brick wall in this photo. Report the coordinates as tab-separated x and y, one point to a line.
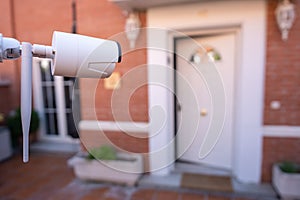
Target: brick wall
37	19
282	84
32	21
282	71
278	150
93	20
128	104
131	143
101	18
8	70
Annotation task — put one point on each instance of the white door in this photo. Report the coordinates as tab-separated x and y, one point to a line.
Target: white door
194	100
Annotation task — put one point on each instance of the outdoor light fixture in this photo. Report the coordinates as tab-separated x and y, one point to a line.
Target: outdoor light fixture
132	28
285	17
72	55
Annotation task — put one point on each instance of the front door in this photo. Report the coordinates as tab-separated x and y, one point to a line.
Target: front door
195	107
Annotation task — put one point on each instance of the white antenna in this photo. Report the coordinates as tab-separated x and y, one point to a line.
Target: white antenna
26	94
73	56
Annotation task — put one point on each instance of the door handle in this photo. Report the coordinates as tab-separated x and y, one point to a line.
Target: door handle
203	112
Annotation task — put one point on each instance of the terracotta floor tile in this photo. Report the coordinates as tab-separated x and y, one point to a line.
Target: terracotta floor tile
38	179
210	197
47	177
143	194
189	196
167	195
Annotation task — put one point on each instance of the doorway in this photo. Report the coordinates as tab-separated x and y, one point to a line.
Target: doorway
193	112
248	17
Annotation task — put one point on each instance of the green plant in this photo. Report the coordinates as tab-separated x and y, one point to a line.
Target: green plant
14	124
104	152
289	167
2	119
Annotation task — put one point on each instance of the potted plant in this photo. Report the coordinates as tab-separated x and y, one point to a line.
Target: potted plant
14	124
104	163
286	179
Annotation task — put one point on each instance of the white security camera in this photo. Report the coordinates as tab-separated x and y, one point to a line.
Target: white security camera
73	56
82	56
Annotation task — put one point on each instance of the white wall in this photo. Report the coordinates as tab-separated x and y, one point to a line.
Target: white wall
249	16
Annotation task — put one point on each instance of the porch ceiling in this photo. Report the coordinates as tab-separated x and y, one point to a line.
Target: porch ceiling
130	5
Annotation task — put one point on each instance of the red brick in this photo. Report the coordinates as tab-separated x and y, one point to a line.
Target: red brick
210	197
190	196
278	150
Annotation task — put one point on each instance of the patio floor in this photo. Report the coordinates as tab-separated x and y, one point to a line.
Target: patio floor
47	176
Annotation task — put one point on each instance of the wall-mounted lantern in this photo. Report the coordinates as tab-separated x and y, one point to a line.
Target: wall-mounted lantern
285	17
132	28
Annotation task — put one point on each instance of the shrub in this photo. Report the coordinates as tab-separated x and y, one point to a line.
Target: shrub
289	167
104	152
14	124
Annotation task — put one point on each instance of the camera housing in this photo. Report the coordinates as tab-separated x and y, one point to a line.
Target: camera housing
83	56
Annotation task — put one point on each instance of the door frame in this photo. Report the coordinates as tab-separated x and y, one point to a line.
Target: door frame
236	31
250	16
